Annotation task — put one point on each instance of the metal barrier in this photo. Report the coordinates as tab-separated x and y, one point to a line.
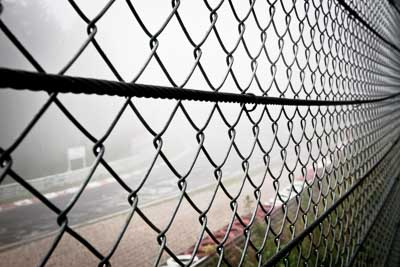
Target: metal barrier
324	80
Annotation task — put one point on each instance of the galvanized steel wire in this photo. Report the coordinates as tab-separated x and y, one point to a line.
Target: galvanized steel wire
346	60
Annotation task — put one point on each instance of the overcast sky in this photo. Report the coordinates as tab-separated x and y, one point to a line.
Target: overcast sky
52	31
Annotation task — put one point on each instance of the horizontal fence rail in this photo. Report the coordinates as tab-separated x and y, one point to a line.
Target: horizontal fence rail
314	83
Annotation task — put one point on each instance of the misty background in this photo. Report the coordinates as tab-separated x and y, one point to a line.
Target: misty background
52	32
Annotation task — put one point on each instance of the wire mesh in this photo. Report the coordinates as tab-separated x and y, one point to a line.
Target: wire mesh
322	78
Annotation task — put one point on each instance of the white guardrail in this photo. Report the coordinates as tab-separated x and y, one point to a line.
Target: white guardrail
15	191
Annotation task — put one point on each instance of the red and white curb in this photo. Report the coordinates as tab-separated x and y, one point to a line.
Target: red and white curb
52	195
96	184
72	190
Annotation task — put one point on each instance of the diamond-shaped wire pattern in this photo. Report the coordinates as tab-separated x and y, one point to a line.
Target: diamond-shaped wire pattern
315	83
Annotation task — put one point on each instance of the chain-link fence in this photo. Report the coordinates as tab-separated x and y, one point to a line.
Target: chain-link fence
316	83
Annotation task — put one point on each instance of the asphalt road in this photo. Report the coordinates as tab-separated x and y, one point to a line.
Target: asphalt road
25	222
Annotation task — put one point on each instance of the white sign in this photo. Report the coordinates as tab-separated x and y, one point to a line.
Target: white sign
76	153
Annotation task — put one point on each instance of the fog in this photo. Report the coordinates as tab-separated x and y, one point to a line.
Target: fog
53	32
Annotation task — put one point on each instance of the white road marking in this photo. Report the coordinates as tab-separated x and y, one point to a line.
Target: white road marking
24	202
108	180
51	195
72	190
94	184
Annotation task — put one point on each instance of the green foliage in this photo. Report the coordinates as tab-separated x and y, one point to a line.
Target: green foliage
319	248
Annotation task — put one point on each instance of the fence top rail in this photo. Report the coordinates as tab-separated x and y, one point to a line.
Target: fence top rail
310	177
54	83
